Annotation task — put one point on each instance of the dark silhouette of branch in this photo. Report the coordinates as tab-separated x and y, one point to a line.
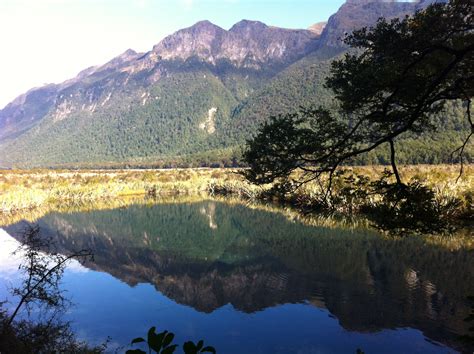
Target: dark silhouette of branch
42	281
407	71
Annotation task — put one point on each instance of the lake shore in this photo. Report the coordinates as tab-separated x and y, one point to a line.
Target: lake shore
32	190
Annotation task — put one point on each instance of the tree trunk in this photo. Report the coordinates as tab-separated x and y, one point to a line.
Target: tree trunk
394	165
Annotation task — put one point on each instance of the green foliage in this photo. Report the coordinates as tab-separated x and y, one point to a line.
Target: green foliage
152	118
163	123
411	208
191	348
161	344
397	82
294	141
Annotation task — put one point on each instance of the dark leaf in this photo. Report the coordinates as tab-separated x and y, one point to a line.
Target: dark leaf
169	349
151	333
200	345
189	348
155	341
208	349
168	339
138	340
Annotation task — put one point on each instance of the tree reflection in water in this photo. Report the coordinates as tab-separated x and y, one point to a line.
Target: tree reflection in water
208	254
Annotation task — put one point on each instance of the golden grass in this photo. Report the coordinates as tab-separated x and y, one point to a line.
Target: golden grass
28	190
32	215
29	195
33	188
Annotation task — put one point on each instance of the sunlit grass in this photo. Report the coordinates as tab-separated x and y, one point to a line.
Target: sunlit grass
31	189
34	190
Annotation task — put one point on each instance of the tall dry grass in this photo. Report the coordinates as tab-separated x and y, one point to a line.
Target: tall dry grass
33	189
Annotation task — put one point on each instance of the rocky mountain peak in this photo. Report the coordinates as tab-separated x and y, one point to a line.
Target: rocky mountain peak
247	25
247	43
128	53
317	28
355	14
125	57
201	40
200	27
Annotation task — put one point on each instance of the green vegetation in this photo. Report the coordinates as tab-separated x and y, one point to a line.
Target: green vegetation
154	118
399	75
36	188
31	194
431	202
165	131
161	344
162	122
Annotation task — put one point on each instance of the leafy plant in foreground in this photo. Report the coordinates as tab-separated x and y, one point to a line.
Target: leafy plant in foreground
161	343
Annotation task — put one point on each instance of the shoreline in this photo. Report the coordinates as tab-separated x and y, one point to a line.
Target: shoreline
29	191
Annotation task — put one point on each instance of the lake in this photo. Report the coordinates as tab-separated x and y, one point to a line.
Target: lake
249	280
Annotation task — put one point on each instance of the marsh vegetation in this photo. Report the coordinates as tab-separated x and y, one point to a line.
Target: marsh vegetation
30	194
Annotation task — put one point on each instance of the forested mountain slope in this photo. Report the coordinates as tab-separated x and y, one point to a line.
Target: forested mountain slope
195	97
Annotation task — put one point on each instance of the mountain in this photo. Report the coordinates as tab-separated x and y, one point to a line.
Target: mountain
248	44
355	14
193	99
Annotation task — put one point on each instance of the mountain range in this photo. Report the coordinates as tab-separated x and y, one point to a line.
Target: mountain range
196	97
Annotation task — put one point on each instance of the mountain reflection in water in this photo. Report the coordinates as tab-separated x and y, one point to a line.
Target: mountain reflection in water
208	254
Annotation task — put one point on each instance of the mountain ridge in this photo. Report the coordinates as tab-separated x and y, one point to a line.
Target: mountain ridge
196	96
184	44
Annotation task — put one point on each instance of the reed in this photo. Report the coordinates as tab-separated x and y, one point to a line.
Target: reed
28	190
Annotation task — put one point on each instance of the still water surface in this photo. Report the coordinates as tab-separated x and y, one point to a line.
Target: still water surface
252	281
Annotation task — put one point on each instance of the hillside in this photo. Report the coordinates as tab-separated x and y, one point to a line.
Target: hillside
195	97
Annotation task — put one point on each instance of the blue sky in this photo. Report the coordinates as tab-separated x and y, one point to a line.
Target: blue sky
47	41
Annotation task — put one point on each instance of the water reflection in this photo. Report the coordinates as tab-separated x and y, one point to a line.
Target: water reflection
207	255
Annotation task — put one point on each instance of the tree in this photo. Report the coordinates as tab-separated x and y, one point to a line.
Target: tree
396	77
42	269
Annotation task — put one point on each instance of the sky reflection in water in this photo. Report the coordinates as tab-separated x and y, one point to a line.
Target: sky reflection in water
249	281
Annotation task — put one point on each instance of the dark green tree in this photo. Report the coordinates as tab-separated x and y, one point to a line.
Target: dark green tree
397	76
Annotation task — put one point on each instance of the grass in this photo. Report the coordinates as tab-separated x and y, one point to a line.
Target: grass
442	179
20	190
34	192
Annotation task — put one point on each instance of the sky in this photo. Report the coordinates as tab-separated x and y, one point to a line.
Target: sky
49	41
